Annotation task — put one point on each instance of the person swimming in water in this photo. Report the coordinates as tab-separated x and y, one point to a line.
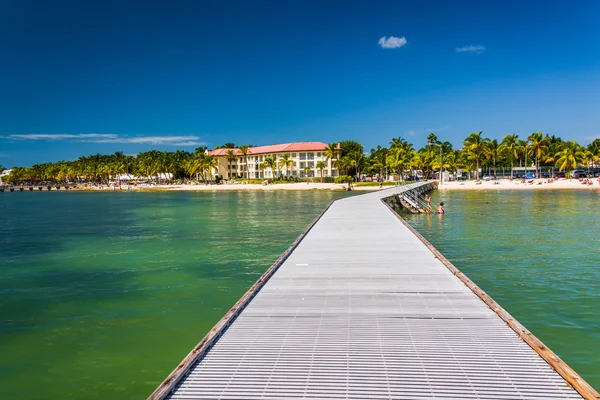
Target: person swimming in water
441	208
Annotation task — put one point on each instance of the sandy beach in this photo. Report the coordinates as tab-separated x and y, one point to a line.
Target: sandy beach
235	187
502	184
516	184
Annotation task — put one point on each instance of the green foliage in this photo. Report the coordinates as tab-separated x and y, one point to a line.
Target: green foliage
399	159
344	179
350	146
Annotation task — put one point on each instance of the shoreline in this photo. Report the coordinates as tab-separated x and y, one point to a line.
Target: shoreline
502	184
516	184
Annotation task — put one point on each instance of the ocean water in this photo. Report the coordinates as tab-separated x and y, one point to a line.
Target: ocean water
537	253
103	294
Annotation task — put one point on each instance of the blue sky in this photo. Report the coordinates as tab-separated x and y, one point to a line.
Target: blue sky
80	77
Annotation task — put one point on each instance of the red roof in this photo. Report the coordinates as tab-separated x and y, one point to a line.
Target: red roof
275	148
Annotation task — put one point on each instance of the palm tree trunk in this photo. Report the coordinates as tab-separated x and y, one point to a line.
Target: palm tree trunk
511	167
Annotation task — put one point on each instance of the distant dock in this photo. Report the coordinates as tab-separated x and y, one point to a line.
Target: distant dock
29	188
361	306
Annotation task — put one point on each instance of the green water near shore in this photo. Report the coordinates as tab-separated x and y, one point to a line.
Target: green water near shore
103	294
537	253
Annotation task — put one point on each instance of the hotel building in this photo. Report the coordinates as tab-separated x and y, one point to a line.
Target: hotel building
304	157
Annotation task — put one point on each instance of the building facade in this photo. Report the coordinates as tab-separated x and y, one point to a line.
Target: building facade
304	159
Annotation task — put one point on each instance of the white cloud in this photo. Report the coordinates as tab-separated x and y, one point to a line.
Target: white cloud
410	132
61	136
112	138
392	42
434	130
164	140
470	49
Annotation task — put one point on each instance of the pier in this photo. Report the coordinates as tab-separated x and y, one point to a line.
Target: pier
361	306
29	188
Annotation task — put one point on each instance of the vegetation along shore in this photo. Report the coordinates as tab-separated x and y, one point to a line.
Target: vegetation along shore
540	155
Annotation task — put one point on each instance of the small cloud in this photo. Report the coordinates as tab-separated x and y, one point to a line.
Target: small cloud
61	136
392	42
111	138
470	49
434	130
159	140
410	132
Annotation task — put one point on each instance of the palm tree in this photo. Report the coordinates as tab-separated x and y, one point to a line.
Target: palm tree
379	158
356	161
398	158
192	166
321	165
286	162
342	165
492	151
453	161
270	162
538	147
509	146
230	155
331	152
523	148
569	157
207	164
307	170
594	149
244	150
476	144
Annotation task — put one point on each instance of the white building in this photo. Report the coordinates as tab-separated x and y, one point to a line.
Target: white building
304	157
4	173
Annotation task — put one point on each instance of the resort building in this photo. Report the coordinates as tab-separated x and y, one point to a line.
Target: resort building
302	161
4	173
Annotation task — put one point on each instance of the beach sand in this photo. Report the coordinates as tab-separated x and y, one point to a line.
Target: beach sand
502	184
515	184
239	187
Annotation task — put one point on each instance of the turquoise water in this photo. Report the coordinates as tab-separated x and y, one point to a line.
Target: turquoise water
103	294
537	254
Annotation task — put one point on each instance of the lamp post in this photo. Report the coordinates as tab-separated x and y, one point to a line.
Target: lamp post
441	151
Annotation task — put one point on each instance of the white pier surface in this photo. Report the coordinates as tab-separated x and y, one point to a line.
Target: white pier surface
362	309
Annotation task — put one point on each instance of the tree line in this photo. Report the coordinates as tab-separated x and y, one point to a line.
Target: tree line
349	157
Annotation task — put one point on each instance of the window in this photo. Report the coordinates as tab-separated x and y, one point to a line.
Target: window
303	156
318	154
260	158
278	155
293	155
302	165
294	172
311	156
311	164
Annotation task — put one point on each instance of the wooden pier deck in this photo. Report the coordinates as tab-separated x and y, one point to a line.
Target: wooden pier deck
361	307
